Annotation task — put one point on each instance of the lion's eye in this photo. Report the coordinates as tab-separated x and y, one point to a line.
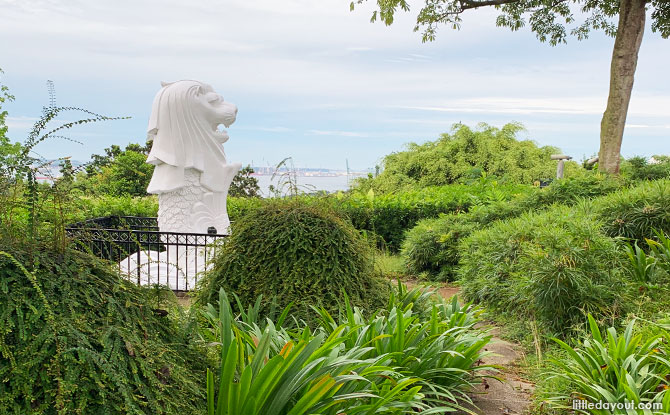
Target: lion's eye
213	98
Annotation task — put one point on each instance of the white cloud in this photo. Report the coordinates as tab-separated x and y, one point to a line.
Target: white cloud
297	65
337	133
647	126
577	105
267	129
21	122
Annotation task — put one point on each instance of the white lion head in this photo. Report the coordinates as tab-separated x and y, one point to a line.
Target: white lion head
184	127
189	109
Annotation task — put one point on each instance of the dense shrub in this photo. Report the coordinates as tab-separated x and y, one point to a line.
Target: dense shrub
466	155
240	206
633	213
76	339
432	245
99	206
639	168
571	189
549	266
297	253
127	174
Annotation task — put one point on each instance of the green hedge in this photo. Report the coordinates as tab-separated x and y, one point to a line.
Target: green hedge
99	206
389	216
94	207
550	267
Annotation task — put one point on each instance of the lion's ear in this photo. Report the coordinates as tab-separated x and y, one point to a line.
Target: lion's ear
164	84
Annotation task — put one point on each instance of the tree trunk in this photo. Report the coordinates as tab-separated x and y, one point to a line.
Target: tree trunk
632	15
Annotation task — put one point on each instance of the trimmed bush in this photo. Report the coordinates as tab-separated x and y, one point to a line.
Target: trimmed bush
551	267
77	339
293	252
634	213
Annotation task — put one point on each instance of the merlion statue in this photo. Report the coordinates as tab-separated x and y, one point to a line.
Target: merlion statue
191	177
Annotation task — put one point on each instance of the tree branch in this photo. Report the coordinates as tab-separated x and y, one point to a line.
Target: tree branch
473	4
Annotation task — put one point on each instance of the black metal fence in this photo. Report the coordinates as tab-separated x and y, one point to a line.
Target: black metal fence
143	253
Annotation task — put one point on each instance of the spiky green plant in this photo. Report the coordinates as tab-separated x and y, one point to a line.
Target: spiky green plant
311	373
642	266
440	349
615	368
660	249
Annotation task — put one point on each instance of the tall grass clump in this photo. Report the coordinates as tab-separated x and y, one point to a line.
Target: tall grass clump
296	253
633	213
433	245
551	267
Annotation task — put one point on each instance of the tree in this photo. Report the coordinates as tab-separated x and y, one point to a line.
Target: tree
129	174
244	185
66	171
465	156
8	151
121	172
549	20
4	96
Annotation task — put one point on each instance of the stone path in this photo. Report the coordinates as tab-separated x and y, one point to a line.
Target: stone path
512	396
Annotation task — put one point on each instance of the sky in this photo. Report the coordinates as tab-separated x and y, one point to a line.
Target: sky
315	81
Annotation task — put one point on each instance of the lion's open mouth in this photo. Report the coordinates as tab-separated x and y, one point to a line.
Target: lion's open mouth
221	133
